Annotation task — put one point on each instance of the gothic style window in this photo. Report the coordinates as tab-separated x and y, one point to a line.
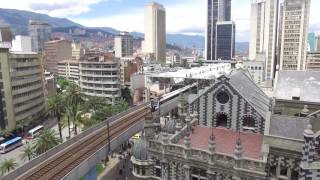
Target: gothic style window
248	121
222	97
222	119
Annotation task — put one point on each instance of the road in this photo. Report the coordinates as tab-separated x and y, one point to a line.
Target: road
16	153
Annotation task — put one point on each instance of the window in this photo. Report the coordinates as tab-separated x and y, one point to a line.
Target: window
296	98
222	97
248	121
222	119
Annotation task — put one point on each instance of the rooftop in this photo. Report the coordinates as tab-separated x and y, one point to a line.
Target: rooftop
288	126
302	84
226	141
209	71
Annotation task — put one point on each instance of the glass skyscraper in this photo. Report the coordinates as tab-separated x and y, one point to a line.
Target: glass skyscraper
40	33
225	40
217	10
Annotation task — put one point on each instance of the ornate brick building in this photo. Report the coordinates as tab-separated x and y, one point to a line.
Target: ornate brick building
227	131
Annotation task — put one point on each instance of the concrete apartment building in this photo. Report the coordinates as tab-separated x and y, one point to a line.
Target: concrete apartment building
264	29
55	51
123	45
40	33
295	23
128	66
99	76
69	69
155	31
22	90
313	61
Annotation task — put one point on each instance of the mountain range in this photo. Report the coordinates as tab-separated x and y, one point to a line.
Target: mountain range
18	21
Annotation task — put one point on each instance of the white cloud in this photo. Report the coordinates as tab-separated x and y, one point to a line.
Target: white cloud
56	8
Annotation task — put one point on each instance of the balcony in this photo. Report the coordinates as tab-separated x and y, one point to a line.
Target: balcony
26	89
25	73
27	98
25	81
28	105
26	64
100	88
99	82
34	111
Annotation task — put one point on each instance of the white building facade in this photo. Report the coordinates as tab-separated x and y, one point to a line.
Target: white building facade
295	25
155	31
123	45
264	29
21	43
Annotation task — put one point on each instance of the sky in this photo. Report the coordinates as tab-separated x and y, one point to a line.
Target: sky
182	16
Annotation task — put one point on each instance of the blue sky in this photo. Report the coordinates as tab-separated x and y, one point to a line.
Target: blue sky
183	16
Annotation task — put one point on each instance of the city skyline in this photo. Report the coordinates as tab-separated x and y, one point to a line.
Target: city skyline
111	13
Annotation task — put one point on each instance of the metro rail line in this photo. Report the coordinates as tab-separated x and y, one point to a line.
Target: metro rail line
62	163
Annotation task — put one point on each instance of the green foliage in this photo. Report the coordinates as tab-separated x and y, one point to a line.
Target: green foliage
28	153
126	95
56	107
63	83
46	140
7	165
100	168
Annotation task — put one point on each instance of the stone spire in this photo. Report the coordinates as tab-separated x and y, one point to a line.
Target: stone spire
238	149
212	144
187	141
305	111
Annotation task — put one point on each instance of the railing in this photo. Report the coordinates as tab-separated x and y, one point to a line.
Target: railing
45	156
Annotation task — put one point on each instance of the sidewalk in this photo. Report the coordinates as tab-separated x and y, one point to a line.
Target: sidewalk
110	165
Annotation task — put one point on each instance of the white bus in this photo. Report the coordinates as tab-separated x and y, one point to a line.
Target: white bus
32	133
10	145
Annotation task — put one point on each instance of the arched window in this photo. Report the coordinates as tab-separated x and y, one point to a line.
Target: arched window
222	120
248	121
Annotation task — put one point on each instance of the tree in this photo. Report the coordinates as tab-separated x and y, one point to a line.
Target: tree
63	83
27	154
126	95
46	140
93	103
7	165
56	107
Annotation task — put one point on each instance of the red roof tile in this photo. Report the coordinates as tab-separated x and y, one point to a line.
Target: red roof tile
226	140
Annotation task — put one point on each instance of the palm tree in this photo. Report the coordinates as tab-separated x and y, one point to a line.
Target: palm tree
27	154
56	108
46	140
7	165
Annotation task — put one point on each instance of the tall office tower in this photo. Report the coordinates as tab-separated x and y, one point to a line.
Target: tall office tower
295	24
21	87
155	31
123	45
55	51
217	10
40	33
225	40
264	28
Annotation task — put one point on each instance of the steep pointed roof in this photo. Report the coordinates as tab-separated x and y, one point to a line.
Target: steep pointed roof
249	90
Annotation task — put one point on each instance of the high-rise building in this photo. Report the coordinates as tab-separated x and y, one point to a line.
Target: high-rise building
123	45
21	87
295	24
217	10
155	31
55	51
225	40
311	42
264	29
21	43
40	33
